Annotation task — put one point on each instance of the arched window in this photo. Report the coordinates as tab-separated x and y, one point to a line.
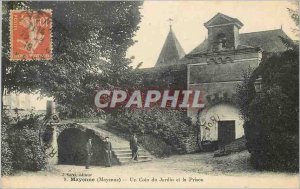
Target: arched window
221	40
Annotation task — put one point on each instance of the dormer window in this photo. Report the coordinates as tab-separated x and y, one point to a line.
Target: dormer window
221	40
223	32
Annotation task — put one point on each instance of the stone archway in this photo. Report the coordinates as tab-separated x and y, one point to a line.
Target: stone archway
72	147
214	116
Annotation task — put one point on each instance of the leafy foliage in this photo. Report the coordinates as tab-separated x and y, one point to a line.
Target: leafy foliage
294	12
170	126
6	154
156	146
271	116
22	147
245	93
89	48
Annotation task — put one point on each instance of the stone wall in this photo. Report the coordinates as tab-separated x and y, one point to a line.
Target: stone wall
71	138
217	80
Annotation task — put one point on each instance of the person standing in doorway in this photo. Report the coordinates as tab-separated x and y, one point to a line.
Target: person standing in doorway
89	153
108	152
134	147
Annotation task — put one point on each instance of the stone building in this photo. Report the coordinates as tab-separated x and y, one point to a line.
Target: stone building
215	67
24	103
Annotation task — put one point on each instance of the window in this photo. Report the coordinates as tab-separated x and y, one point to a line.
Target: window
221	40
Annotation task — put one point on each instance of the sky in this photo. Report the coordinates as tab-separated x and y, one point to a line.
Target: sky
189	17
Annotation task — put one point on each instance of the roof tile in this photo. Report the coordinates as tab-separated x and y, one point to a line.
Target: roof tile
171	52
268	41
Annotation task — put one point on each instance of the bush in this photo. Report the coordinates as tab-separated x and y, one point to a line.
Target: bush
23	150
155	146
272	122
273	133
169	126
6	154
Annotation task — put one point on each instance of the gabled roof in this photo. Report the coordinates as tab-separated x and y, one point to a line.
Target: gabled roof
268	41
220	18
171	51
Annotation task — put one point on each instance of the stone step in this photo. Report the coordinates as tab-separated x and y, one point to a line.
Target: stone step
123	154
120	148
133	161
127	151
124	148
122	151
129	157
129	154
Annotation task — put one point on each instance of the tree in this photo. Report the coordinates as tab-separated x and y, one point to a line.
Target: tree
271	116
294	12
90	40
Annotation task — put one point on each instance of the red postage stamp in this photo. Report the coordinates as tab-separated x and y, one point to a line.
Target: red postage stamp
30	35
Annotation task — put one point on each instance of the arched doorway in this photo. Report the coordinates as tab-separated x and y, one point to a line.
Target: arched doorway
220	122
72	147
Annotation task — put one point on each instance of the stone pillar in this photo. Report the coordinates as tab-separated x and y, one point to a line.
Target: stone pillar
50	109
50	141
52	150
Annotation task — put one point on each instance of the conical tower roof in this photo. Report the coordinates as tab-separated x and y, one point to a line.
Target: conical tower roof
171	51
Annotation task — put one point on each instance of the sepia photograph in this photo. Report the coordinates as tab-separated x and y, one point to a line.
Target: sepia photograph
150	94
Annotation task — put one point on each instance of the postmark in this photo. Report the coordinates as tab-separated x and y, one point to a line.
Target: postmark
30	35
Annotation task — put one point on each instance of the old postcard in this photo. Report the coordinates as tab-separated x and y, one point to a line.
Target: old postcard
150	94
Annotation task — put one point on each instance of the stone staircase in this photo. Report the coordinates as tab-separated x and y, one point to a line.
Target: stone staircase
121	149
124	155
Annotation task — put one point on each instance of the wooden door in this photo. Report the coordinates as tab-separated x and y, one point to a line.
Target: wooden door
226	132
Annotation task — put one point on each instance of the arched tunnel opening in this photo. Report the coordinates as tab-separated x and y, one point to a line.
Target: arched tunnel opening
72	147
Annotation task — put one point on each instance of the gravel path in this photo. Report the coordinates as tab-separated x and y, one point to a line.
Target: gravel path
199	170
